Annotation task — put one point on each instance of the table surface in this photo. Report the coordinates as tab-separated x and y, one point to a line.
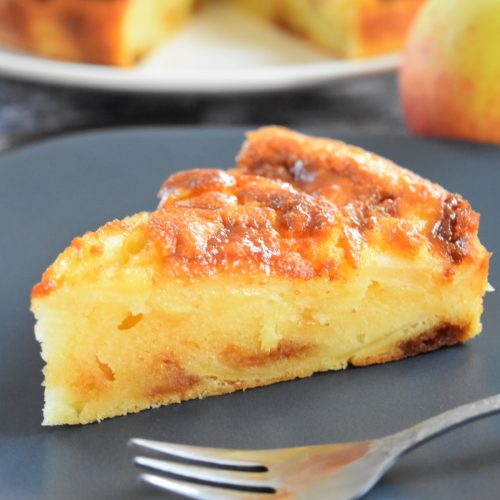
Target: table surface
365	105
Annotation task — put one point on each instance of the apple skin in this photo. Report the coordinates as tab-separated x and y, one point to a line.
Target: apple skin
450	73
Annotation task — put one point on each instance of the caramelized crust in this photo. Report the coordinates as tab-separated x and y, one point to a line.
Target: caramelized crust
213	221
304	207
297	207
376	199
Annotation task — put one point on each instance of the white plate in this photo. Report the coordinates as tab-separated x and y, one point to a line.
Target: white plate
221	50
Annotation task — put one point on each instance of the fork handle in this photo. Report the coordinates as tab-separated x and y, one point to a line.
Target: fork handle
432	427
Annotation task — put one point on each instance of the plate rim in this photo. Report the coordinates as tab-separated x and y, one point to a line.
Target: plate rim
33	68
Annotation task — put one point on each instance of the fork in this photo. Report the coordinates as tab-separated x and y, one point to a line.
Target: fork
333	471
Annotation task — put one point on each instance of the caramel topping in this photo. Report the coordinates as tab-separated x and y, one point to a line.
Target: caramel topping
295	206
372	193
304	208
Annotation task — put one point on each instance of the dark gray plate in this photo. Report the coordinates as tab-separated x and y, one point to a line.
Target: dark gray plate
55	190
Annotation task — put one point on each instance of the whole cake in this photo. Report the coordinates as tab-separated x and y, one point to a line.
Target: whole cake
123	32
309	256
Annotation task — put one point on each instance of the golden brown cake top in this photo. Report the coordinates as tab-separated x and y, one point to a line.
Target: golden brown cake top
297	207
371	192
305	207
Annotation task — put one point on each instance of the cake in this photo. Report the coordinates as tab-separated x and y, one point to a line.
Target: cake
115	32
123	32
310	255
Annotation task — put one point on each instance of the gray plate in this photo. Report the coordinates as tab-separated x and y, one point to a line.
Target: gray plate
55	190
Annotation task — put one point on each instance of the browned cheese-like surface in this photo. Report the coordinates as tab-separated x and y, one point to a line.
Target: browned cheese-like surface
296	207
304	207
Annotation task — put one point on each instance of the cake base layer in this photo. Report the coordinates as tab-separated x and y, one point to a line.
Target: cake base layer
124	339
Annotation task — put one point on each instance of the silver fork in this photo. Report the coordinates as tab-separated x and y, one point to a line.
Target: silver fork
333	471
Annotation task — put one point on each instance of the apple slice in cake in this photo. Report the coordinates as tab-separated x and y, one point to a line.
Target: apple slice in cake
309	256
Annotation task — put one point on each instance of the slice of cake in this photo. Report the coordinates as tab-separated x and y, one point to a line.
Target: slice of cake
310	256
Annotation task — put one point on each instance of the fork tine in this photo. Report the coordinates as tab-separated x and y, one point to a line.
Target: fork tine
199	491
220	476
217	456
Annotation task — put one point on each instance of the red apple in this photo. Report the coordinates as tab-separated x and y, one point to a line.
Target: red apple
450	74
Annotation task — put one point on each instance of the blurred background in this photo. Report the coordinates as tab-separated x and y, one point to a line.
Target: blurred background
289	68
67	65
